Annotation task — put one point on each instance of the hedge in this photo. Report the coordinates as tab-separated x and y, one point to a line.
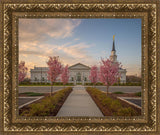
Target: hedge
114	106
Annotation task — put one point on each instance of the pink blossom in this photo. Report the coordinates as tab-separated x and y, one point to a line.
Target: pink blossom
109	72
65	75
22	71
94	74
55	68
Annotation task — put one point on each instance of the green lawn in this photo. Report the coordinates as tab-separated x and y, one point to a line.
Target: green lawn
118	92
32	94
41	85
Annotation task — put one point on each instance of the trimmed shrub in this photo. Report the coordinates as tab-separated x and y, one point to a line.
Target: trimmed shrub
107	101
138	94
126	112
99	83
115	105
118	92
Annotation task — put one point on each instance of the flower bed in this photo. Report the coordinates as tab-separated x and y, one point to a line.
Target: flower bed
48	106
110	105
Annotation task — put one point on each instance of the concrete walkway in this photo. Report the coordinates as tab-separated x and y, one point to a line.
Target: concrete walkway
47	89
79	103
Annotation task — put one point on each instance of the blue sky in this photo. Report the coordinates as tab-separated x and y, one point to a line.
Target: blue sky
80	40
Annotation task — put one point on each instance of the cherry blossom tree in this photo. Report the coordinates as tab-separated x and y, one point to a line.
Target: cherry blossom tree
94	74
55	69
22	71
109	72
65	75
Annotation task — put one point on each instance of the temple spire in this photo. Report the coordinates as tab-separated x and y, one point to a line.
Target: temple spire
113	47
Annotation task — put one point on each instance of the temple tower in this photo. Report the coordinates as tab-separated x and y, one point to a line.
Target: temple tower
113	56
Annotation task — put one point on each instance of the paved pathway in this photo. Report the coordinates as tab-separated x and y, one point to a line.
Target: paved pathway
79	103
39	89
136	101
23	101
47	89
125	89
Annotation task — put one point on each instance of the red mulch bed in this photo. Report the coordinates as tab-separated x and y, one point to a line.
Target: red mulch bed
106	111
57	107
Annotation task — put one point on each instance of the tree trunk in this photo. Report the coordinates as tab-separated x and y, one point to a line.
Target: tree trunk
51	88
107	89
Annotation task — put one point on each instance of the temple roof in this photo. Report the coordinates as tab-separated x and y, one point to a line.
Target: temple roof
79	65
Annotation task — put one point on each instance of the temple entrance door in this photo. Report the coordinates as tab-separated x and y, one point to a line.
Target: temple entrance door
78	78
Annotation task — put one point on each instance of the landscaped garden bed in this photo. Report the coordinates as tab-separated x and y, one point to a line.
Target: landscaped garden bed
48	106
110	105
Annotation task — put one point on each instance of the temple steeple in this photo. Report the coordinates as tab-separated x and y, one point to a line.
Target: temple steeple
113	56
113	47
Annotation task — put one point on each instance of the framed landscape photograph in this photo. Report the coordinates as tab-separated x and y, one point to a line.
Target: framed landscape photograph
80	55
80	67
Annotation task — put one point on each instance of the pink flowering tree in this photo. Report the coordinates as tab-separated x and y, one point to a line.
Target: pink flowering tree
109	72
94	75
22	71
65	75
54	69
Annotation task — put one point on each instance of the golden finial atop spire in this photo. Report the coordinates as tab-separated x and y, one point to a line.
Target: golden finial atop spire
113	37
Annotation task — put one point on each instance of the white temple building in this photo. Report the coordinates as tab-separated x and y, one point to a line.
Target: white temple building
78	73
113	57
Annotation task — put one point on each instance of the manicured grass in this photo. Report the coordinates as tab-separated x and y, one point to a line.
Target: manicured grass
32	94
34	85
116	84
138	94
118	92
48	106
111	106
43	85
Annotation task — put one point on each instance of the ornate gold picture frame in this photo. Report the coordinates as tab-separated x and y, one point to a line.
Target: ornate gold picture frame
12	11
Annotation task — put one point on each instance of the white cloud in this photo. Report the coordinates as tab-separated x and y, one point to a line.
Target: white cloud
76	39
40	29
70	54
33	34
34	48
